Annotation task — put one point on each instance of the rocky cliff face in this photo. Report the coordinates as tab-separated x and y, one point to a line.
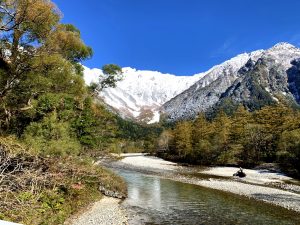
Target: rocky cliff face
254	80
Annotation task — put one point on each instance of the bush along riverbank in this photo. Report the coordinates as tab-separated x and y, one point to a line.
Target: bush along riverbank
47	190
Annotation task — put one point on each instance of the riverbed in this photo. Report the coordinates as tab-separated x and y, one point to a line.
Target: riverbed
155	200
161	192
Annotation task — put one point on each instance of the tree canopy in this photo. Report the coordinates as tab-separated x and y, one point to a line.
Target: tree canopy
39	55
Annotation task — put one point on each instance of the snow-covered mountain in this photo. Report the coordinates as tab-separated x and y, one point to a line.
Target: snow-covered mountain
254	80
146	95
141	93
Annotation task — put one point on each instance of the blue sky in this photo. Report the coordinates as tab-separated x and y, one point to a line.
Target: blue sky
182	37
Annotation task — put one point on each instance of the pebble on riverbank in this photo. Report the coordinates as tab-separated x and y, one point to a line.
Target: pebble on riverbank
107	211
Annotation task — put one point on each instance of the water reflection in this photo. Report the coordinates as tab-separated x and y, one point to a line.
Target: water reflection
144	190
152	200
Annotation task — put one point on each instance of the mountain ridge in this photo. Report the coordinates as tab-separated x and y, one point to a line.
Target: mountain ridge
272	79
145	95
142	92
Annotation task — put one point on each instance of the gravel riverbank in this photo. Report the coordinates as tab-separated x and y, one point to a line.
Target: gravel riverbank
275	196
107	211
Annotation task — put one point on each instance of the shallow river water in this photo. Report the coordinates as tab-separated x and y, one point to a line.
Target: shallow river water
154	200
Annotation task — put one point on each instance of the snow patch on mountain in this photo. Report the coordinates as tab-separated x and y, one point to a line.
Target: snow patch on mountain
91	75
141	92
229	76
198	97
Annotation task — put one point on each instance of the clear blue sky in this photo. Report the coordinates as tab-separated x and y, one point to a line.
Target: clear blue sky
182	37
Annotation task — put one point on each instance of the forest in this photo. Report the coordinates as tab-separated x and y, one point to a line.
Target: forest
268	135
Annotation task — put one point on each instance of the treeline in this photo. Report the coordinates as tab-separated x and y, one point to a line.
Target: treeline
271	134
135	137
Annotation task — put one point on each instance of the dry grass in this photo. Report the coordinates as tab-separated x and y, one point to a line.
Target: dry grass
36	190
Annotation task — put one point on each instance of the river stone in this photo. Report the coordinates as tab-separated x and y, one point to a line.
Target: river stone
110	193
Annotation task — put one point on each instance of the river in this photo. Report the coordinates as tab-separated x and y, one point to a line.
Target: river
155	200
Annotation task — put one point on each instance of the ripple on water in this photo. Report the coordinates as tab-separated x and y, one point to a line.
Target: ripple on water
153	200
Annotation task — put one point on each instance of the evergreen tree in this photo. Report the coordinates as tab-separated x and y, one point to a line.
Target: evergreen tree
38	55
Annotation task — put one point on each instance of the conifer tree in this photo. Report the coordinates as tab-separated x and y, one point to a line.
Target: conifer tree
202	134
221	139
183	139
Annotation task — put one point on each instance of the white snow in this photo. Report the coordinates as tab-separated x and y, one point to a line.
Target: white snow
189	103
230	66
91	75
276	99
155	118
141	89
282	53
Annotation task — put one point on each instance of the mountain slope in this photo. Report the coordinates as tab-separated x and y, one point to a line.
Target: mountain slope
253	79
141	93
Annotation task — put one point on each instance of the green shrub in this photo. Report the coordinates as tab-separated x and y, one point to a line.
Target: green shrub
51	137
